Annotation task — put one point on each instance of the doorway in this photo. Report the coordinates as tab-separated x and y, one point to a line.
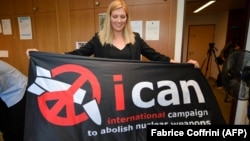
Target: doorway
199	39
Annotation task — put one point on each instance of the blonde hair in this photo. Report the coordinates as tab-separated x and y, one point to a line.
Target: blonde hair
106	34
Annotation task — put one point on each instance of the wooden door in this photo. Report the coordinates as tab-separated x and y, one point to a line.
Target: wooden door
199	38
52	25
102	3
6	7
46	30
82	21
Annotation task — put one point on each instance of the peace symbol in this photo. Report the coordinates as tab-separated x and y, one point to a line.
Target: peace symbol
64	99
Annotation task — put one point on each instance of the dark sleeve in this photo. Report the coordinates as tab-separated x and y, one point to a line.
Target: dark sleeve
149	52
87	49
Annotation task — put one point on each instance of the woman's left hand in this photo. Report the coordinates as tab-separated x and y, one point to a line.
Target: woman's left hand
196	64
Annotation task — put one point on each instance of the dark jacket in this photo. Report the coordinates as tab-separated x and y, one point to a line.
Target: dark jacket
94	47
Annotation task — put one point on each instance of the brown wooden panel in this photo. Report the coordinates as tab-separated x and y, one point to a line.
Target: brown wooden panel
142	2
97	12
171	30
80	4
12	43
22	6
18	51
44	5
165	44
105	3
102	3
9	43
6	7
6	41
46	32
82	26
63	20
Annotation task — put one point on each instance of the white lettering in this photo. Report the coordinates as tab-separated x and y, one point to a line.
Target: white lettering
186	93
170	95
173	92
136	95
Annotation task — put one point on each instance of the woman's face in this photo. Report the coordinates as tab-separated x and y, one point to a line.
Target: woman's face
118	20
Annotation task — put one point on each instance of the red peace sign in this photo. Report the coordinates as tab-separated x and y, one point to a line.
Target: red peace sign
64	99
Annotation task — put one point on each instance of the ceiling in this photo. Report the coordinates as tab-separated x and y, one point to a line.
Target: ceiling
218	7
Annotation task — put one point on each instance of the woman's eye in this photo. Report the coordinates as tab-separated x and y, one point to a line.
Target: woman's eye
123	17
116	16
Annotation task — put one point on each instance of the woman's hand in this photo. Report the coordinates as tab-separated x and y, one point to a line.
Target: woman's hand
28	51
196	64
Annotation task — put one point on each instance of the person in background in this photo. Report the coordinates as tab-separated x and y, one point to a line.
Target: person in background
12	102
116	40
229	48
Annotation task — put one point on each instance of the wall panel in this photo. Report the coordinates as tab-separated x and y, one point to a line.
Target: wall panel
58	24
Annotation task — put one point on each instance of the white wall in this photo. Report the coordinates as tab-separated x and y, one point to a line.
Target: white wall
179	30
220	39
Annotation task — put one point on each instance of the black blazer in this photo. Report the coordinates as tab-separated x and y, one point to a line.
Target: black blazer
94	47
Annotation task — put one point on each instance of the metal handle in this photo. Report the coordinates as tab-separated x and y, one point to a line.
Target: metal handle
97	3
34	8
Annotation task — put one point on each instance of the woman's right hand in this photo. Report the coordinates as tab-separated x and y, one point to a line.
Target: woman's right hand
28	51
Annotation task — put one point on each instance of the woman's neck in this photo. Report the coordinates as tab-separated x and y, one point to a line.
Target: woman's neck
117	35
118	40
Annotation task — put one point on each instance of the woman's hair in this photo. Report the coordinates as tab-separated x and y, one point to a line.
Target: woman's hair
106	34
229	48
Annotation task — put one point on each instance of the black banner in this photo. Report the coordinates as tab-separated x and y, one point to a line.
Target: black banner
74	98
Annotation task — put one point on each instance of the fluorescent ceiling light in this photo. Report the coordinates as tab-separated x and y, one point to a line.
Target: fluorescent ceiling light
204	6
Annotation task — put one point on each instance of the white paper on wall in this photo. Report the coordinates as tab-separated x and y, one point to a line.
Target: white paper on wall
152	30
25	29
137	27
4	53
6	24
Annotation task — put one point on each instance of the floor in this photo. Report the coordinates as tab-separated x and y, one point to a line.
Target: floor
220	95
223	101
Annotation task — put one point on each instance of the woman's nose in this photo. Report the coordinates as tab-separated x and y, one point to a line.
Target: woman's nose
119	19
